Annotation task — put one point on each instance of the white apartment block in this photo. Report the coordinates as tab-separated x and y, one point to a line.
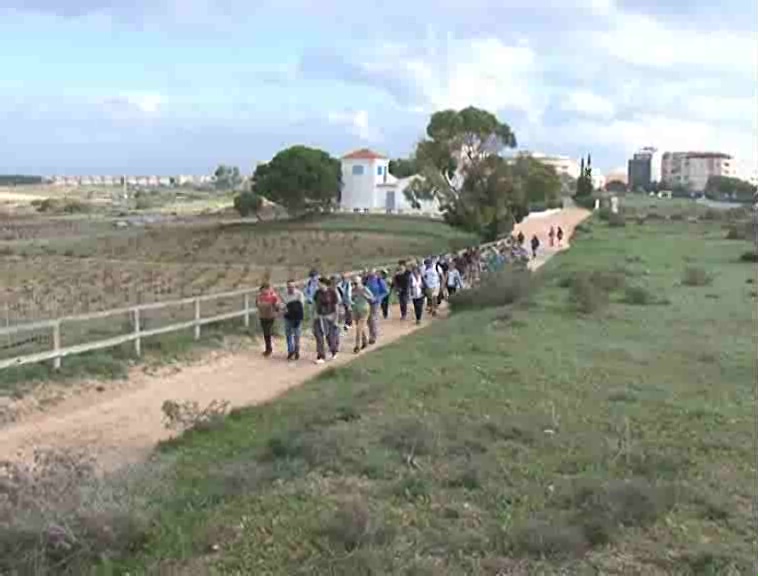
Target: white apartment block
692	169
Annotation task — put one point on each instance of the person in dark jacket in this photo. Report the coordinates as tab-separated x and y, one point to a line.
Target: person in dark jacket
520	238
535	246
401	285
294	311
386	300
326	303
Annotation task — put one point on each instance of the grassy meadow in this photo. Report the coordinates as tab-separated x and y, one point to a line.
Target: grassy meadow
602	424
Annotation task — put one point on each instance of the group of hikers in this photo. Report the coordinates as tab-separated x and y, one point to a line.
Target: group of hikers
337	303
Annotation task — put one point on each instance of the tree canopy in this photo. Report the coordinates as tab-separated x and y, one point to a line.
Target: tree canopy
247	203
540	181
721	186
463	171
584	185
227	177
403	167
301	179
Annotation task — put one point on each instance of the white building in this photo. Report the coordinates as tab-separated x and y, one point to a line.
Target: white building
691	170
562	164
367	186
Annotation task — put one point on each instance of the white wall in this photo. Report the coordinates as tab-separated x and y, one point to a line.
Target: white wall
359	191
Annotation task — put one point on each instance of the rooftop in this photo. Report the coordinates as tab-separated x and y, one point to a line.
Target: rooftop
364	154
700	154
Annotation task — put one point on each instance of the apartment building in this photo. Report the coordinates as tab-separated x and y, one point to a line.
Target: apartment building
644	168
691	170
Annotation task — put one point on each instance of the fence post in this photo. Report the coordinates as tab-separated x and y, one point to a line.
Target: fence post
56	345
197	318
137	340
247	310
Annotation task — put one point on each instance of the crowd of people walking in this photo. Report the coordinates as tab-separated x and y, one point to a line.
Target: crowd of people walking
336	304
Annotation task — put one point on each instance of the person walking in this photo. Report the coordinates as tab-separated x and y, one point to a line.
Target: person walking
312	285
378	288
326	302
560	235
345	289
431	286
268	303
520	238
400	283
454	280
416	293
361	305
535	246
386	300
551	235
294	312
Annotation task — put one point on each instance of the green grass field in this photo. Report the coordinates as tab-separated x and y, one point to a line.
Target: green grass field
602	425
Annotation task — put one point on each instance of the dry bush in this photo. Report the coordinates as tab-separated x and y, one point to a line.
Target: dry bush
58	516
640	296
354	525
696	276
496	289
188	415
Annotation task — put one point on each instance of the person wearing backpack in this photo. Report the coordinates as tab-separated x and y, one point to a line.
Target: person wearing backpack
360	306
345	289
379	291
416	293
294	312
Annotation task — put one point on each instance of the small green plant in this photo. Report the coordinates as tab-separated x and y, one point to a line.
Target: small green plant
696	276
749	256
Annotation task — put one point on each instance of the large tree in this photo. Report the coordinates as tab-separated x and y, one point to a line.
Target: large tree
227	177
403	167
540	181
726	186
462	170
301	179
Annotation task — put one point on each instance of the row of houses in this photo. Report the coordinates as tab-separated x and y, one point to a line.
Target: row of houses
71	181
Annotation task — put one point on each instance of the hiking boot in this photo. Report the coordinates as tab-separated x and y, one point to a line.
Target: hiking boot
267	353
320	360
356	350
297	355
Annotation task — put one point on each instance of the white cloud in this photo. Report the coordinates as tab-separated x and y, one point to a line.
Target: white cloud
665	133
644	41
355	121
589	104
128	104
483	72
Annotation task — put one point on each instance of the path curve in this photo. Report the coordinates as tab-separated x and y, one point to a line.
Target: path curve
122	424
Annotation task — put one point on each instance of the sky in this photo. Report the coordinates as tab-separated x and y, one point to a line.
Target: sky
179	86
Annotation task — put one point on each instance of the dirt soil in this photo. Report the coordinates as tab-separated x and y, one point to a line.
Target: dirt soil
121	423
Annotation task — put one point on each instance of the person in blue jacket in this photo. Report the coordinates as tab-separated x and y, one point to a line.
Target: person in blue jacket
379	291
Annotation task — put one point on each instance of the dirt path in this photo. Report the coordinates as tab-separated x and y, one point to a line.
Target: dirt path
122	424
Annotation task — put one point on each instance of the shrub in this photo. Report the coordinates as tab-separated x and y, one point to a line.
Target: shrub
353	525
496	289
247	203
604	214
749	256
548	538
58	516
639	296
696	276
587	296
616	220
